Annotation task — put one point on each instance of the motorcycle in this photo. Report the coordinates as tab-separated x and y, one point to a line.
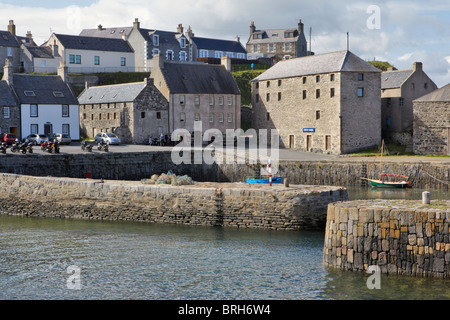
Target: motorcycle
48	146
3	148
56	146
26	147
85	146
15	147
103	145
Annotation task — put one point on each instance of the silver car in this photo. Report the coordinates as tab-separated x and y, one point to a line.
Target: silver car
37	139
109	137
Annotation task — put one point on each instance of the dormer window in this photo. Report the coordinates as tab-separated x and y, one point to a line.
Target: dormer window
29	93
182	42
156	40
58	94
257	36
289	34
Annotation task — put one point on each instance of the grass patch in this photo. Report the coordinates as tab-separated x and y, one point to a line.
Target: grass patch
392	150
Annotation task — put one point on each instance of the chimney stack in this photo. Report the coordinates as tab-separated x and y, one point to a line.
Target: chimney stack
100	27
63	71
180	28
417	66
12	27
300	26
226	62
252	27
237	39
136	23
29	36
8	71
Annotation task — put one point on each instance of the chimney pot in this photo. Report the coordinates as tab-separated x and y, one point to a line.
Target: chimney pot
100	27
226	62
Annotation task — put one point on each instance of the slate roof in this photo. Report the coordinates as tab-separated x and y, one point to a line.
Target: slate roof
438	95
7	97
43	87
273	36
40	52
394	79
112	93
340	61
219	45
198	78
93	43
8	40
112	33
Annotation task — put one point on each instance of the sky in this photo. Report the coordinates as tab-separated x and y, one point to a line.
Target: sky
400	32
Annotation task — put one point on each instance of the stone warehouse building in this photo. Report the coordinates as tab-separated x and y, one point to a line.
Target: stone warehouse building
132	111
432	122
398	90
278	44
328	103
199	92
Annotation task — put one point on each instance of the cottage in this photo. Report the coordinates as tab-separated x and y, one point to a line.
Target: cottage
46	104
133	111
199	92
10	46
431	134
398	90
327	103
277	44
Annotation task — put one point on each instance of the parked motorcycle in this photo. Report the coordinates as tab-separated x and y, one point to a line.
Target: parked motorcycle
103	145
3	148
15	147
26	147
48	146
85	146
56	146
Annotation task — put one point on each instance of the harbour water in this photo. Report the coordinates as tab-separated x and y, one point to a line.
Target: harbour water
71	259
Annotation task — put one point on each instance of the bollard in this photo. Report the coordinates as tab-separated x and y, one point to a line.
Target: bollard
286	182
426	197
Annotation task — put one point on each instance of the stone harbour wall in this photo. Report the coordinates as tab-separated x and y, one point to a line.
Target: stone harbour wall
211	204
401	237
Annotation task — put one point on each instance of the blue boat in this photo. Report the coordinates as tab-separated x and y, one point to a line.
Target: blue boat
265	180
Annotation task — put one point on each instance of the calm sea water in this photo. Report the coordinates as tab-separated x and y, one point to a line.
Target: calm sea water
43	258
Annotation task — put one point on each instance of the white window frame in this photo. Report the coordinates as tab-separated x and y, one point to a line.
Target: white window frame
34	110
182	100
34	128
203	53
218	54
155	40
183	56
221	117
172	55
197	101
211	117
211	100
65	110
230	118
65	128
6	113
230	100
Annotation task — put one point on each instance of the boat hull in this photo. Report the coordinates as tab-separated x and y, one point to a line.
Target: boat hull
274	180
388	184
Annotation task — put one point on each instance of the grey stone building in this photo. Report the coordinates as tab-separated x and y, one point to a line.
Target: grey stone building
146	43
398	90
10	46
199	92
278	44
432	122
132	111
327	103
9	110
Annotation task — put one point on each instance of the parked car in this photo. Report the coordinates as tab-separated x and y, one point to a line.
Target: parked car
109	137
62	138
9	138
37	139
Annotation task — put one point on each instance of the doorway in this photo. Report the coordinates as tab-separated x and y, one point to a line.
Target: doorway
291	141
308	142
48	129
327	143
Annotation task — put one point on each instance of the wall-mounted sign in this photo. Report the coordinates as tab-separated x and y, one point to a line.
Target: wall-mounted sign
309	129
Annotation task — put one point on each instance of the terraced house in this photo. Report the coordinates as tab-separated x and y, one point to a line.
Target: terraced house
327	103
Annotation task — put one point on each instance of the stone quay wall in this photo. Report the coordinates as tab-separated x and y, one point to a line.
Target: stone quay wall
139	165
210	204
401	237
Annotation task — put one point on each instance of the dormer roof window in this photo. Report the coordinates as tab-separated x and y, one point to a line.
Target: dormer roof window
29	93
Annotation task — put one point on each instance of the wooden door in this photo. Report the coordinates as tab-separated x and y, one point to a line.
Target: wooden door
308	142
291	141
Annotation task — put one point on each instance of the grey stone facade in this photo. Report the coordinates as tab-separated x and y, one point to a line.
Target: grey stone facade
134	112
326	103
432	123
398	90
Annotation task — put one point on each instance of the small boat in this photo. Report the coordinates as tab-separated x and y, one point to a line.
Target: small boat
265	180
385	179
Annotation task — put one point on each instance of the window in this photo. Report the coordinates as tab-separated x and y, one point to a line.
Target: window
268	84
197	100
221	101
156	40
66	128
84	116
203	53
182	42
211	118
218	54
332	92
401	102
182	100
182	117
158	115
317	78
360	92
279	83
211	100
33	110
230	101
43	63
230	117
255	48
29	93
360	76
169	55
99	116
279	96
97	60
197	116
304	94
257	36
331	77
268	97
229	54
183	56
287	47
6	113
221	117
34	128
92	116
317	93
304	80
71	58
123	61
58	94
142	114
271	47
257	85
65	110
268	116
77	59
289	34
9	52
425	85
317	114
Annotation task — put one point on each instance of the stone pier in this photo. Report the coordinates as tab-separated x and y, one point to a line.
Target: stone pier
402	237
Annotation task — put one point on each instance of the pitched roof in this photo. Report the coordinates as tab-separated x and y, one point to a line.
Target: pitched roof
111	93
93	43
6	95
8	40
340	61
43	88
273	36
219	45
112	33
40	52
198	78
394	79
438	95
